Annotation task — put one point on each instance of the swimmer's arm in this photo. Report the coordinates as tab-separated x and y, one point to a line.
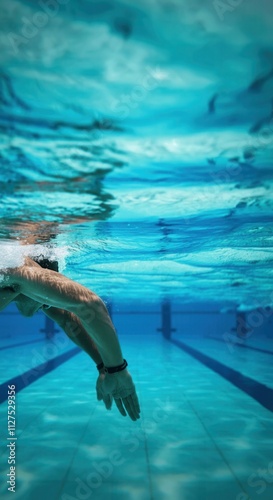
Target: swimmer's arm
55	289
7	295
72	326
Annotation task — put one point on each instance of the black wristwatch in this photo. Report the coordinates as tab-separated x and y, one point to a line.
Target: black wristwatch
115	369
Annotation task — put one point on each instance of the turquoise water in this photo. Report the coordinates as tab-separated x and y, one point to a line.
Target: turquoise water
136	147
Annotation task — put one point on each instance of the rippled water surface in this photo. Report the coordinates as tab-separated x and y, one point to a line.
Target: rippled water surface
136	142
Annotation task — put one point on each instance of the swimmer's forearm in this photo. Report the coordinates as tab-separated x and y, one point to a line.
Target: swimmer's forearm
72	326
97	322
92	330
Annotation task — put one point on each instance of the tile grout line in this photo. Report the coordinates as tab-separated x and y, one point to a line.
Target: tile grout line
217	447
60	490
148	467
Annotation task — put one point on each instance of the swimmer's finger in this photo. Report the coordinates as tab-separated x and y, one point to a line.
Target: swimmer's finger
132	406
106	398
99	395
135	402
120	407
108	401
130	409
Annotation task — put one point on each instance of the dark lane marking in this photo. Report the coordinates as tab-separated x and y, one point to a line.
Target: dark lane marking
258	349
27	378
260	392
21	343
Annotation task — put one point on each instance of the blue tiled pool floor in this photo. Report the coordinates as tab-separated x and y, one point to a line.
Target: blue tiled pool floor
199	436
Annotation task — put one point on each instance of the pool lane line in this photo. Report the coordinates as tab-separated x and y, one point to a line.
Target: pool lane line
25	379
21	343
252	348
260	392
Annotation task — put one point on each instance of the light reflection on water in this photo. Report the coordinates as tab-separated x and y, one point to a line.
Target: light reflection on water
144	161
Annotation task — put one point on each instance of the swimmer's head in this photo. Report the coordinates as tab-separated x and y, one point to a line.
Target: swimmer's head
47	264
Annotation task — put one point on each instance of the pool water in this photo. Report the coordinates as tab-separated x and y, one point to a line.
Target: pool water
136	144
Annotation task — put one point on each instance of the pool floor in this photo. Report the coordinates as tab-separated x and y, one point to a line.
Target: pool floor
199	436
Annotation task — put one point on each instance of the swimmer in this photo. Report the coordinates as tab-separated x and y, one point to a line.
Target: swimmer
83	316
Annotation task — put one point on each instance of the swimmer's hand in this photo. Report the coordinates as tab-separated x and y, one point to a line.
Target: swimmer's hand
120	387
